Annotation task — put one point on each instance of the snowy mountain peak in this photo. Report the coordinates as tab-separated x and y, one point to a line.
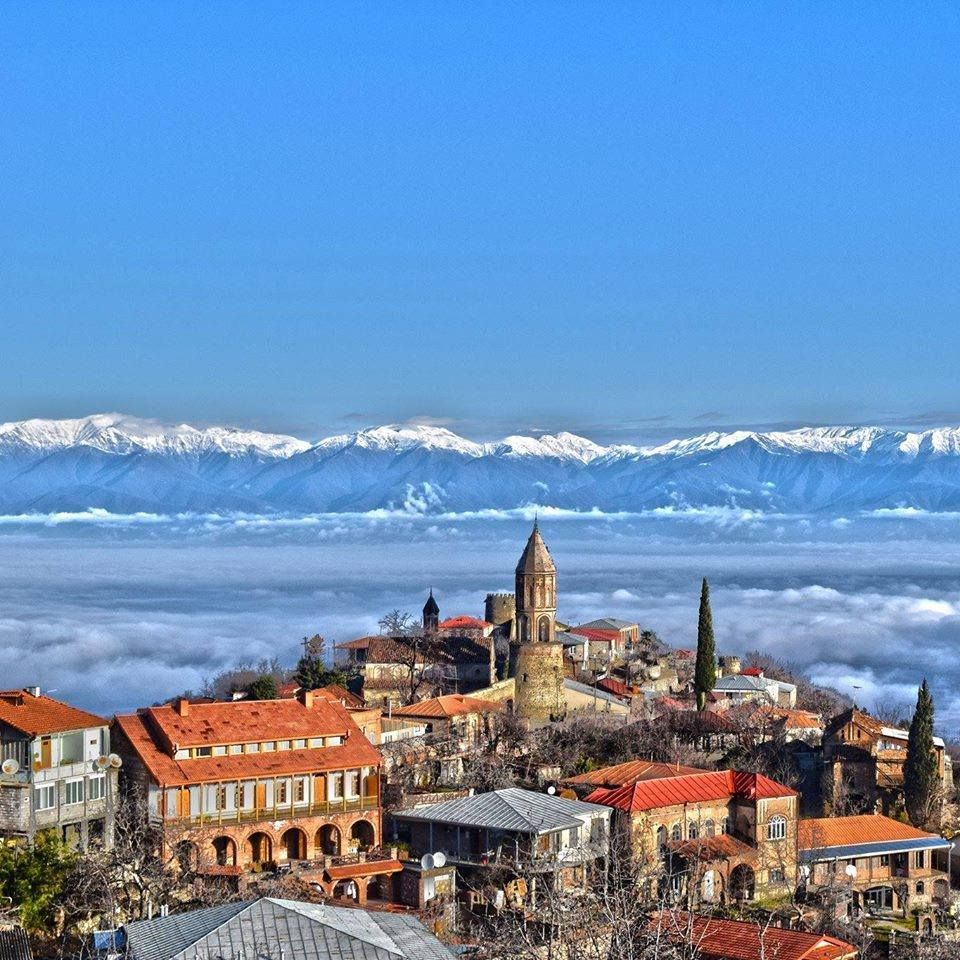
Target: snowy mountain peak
122	434
399	438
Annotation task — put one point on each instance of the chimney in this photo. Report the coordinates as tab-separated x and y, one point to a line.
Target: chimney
306	698
33	691
182	706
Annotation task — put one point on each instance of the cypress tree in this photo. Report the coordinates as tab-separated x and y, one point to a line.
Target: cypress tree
920	778
705	674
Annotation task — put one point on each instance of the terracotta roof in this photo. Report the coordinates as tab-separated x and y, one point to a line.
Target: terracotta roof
850	831
631	772
599	636
617	687
464	623
684	654
337	693
148	740
743	940
752	672
721	847
694	788
361	643
245	721
369	868
36	716
450	705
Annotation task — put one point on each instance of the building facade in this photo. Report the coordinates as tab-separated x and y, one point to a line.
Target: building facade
57	771
255	783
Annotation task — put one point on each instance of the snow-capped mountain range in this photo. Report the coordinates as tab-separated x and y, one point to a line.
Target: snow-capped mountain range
125	465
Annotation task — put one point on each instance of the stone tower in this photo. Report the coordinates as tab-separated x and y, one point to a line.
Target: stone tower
431	615
536	656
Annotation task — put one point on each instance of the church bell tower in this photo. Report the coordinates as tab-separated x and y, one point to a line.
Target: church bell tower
536	592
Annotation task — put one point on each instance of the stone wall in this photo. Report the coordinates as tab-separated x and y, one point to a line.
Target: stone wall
539	695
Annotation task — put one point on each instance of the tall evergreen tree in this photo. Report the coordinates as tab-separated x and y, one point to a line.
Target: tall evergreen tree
705	675
920	780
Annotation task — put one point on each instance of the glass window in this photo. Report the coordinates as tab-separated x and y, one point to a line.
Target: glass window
46	796
283	791
693	831
253	748
301	789
316	742
283	744
776	828
203	752
299	744
236	748
336	785
74	791
97	787
676	832
777	875
268	747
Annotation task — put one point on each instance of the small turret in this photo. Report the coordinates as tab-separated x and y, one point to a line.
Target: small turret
431	615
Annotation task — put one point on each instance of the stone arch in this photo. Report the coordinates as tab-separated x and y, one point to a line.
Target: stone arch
364	833
709	828
543	629
327	841
524	625
260	847
293	844
742	882
225	851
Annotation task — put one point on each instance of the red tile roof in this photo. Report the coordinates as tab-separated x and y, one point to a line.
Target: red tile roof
752	672
450	705
721	847
694	788
718	939
338	693
598	636
850	831
617	687
631	772
464	623
39	715
155	731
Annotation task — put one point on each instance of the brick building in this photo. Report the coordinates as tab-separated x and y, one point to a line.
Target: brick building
864	761
57	770
877	863
714	836
255	782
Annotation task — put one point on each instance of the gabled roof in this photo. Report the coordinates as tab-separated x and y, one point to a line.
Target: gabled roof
511	809
743	940
740	681
821	833
307	931
597	636
609	623
449	705
631	772
693	788
38	715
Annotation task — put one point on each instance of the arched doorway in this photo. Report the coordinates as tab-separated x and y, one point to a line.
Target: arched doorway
347	890
225	851
293	844
327	841
363	833
260	847
742	882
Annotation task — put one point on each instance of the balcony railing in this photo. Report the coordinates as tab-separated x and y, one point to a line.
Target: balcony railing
281	812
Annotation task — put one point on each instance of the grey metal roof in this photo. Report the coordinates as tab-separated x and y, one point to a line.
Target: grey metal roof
15	944
608	623
739	682
511	809
269	929
852	851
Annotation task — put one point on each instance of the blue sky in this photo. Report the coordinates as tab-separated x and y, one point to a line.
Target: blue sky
614	218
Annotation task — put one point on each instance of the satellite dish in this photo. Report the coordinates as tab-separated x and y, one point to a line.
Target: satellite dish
10	767
551	789
115	761
439	859
850	870
101	763
426	861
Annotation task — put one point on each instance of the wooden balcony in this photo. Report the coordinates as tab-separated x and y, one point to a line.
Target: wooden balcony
285	811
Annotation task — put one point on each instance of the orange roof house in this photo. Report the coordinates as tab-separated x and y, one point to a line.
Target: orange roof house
58	773
449	705
248	782
629	772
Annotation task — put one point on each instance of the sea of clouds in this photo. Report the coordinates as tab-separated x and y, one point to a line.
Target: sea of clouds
114	612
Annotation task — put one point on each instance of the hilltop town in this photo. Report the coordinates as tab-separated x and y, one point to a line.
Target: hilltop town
504	785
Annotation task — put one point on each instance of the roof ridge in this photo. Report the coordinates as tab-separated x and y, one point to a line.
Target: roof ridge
347	929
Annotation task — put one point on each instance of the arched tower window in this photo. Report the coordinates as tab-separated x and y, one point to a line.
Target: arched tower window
543	630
